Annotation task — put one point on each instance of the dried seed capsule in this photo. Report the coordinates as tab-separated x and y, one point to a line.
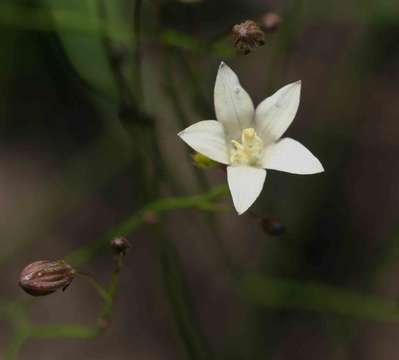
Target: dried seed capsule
273	226
45	277
248	36
270	22
120	245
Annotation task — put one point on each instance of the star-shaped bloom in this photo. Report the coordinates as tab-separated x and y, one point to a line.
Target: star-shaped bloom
248	140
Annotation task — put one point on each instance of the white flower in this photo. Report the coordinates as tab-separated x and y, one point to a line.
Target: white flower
248	140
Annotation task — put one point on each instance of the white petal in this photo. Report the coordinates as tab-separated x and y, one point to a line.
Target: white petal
275	114
208	138
233	106
291	156
245	185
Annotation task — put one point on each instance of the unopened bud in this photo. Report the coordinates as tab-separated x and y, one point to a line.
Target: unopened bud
273	226
120	245
202	161
270	22
248	36
45	277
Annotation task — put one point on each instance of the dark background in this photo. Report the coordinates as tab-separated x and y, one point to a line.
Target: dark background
88	120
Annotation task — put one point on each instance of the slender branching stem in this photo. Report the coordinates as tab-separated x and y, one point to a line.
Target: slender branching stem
137	58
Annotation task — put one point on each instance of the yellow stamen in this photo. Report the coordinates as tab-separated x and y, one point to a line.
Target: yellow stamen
249	151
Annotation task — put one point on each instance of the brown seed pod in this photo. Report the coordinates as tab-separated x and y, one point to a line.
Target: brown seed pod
44	277
248	36
270	22
120	245
273	226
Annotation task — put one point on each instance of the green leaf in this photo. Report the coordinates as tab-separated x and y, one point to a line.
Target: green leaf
28	18
86	51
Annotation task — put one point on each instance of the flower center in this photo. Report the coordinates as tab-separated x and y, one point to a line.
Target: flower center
249	150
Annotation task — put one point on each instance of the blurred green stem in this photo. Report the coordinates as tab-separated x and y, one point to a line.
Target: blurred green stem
287	36
202	105
137	57
23	330
16	313
96	285
179	299
286	294
14	347
173	93
193	83
205	201
112	288
24	17
116	58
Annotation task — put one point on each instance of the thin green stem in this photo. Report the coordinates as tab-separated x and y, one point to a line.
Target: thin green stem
179	300
25	331
74	331
203	105
173	93
15	345
203	201
105	313
288	34
16	314
116	63
96	285
137	57
193	83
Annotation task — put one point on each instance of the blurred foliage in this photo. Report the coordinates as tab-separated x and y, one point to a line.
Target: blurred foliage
285	294
86	52
99	87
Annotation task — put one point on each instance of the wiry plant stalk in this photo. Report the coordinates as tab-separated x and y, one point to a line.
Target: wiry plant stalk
137	57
